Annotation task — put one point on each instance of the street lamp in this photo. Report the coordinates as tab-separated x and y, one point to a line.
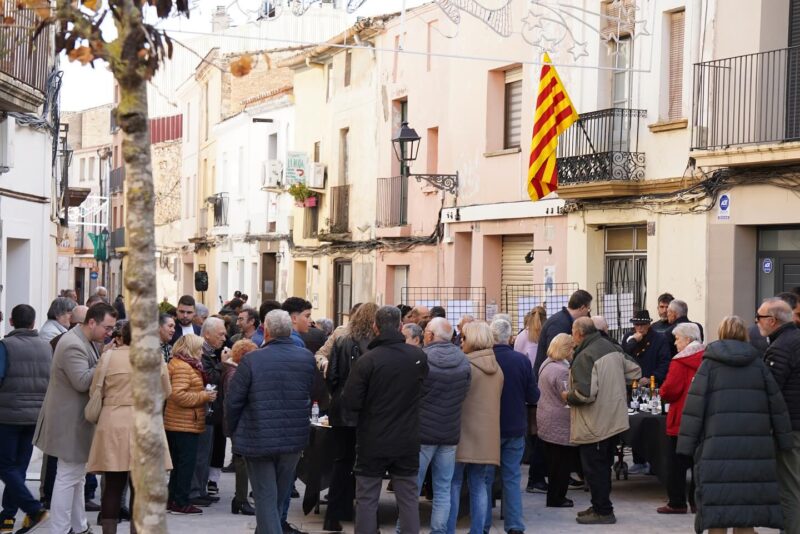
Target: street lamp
406	148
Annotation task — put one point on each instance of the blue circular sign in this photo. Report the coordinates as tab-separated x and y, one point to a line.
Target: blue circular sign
93	275
724	202
766	265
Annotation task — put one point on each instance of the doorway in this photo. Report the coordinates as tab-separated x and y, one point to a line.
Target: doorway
269	283
18	274
778	261
80	277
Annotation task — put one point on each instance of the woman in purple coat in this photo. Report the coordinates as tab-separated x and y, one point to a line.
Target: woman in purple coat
552	420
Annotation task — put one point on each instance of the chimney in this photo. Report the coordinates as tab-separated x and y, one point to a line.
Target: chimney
220	20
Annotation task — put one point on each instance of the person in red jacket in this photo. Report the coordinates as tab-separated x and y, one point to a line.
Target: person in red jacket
681	372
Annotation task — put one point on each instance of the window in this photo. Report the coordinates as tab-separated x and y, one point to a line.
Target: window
432	151
272	146
676	27
310	222
83	170
90	172
116	156
348	64
344	157
621	79
512	115
242	174
316	152
329	93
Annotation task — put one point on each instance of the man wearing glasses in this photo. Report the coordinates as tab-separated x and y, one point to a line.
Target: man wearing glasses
62	429
775	322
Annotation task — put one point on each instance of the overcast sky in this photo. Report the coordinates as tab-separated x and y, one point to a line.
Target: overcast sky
85	87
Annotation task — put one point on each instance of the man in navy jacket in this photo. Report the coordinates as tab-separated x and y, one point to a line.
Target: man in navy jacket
267	409
519	391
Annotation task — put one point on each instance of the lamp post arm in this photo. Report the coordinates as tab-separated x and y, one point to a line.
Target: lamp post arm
445	182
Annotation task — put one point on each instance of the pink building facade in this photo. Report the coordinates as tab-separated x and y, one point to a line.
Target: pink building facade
475	118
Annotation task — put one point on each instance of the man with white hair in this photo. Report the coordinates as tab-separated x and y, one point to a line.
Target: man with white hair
102	293
519	391
775	322
200	314
443	392
677	313
213	333
267	408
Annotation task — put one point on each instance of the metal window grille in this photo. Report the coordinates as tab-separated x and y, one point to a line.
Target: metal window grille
519	300
392	201
457	301
616	303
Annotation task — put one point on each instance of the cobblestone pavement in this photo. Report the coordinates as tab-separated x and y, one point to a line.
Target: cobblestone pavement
635	501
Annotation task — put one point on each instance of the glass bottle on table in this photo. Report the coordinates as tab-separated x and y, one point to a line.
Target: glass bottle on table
635	396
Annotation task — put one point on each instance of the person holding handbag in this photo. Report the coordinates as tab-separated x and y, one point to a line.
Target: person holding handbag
111	453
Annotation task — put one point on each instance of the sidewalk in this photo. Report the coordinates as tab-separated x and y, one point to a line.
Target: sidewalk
635	502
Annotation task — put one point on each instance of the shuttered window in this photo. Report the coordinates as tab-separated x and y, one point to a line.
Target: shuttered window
618	22
514	270
676	30
512	120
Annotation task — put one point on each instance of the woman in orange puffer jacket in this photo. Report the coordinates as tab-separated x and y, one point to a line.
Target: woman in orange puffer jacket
185	419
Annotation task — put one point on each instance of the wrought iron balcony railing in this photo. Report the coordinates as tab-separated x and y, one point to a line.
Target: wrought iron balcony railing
117	179
748	99
27	61
117	238
340	209
220	204
603	145
392	201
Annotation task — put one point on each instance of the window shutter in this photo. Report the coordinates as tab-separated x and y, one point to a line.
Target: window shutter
676	30
513	108
612	23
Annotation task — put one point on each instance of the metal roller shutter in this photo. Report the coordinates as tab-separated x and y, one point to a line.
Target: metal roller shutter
514	269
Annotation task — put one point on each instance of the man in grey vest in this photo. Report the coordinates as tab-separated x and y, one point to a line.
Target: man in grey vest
62	429
25	360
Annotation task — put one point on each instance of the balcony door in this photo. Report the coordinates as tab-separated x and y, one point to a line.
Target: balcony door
621	95
343	290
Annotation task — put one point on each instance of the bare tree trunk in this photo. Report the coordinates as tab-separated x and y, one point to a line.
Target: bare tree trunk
148	474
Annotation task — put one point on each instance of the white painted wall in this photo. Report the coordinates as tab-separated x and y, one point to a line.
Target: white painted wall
27	246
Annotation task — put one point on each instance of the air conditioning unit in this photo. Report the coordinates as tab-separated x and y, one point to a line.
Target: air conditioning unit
272	175
317	178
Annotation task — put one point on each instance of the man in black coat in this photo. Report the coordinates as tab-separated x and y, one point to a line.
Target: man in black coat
754	333
662	325
384	387
677	312
185	324
774	320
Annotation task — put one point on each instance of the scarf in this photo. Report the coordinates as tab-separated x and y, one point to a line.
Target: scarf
194	363
691	349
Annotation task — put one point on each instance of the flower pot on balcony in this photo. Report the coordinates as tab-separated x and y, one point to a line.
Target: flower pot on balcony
310	202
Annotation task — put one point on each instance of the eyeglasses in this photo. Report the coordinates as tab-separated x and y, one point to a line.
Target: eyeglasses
759	317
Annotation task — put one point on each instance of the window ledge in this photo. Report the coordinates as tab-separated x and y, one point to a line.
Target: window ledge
665	126
495	153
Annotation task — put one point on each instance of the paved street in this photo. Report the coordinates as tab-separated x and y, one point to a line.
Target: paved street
635	502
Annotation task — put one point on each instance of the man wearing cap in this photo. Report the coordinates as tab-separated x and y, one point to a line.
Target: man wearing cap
651	351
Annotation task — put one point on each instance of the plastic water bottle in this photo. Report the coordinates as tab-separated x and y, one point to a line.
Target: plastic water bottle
315	413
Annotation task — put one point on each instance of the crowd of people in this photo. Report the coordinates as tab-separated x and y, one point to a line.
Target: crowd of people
443	410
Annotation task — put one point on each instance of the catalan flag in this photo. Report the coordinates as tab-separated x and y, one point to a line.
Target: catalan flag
554	114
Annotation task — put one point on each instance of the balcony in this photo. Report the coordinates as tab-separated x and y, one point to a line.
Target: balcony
117	239
117	180
392	202
219	203
24	64
746	109
340	209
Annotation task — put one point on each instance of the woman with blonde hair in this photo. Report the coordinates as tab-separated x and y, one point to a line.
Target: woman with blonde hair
528	340
112	454
185	418
240	504
734	418
346	350
552	420
479	446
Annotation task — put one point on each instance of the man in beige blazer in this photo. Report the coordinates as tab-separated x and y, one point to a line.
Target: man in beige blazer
62	430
